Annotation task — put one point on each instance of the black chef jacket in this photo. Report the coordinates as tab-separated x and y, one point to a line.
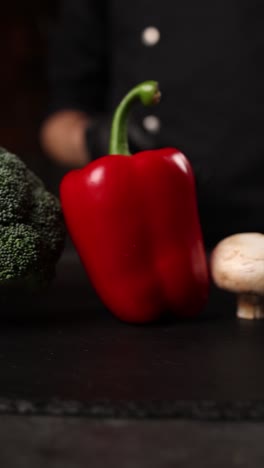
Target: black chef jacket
208	58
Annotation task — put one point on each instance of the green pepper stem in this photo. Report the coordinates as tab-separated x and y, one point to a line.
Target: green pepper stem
148	93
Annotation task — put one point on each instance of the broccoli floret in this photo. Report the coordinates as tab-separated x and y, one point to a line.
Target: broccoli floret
15	188
46	217
32	228
19	246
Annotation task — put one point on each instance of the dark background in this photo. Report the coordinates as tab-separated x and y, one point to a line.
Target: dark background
25	28
68	348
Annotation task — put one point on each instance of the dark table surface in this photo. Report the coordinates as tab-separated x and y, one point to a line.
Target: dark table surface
69	368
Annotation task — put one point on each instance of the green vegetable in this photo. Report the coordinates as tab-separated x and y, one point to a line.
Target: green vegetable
32	228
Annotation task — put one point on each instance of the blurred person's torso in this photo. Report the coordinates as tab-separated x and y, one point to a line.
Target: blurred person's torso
208	59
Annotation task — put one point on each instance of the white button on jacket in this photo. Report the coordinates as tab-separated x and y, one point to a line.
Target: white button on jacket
150	36
151	123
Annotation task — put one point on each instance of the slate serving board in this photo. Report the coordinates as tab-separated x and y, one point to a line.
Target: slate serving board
66	354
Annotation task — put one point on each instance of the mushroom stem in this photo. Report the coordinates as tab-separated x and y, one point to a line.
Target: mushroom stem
250	306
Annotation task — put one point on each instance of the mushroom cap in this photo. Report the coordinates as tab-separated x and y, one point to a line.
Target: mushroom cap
237	263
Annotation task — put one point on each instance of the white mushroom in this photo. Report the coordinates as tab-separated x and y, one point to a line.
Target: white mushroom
237	265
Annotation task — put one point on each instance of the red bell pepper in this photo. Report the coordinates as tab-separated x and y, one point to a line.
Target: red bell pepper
135	225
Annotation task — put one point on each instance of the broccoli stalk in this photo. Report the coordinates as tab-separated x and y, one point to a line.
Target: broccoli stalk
32	228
